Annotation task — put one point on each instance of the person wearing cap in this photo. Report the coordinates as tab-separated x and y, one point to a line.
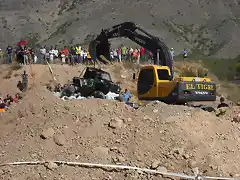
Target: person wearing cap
222	103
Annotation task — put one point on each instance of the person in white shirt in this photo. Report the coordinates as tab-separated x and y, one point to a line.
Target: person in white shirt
51	54
111	54
84	56
115	54
172	53
43	53
81	55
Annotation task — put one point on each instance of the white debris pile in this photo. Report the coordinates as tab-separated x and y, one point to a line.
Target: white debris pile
109	96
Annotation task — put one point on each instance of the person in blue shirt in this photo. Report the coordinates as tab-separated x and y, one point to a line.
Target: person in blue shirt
126	96
9	52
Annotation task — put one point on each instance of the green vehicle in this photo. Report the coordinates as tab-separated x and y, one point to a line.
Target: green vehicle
95	82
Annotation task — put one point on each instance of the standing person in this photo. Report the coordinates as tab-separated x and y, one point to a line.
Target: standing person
51	54
1	55
30	55
78	53
124	52
172	53
25	55
43	52
130	53
119	51
142	54
115	54
89	58
185	54
64	55
10	54
56	53
24	81
138	57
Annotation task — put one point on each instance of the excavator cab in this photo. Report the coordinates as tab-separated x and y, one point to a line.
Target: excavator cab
155	83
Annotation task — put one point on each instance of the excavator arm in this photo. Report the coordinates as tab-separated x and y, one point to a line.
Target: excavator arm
101	46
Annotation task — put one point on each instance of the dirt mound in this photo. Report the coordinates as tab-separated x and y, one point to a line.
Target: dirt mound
176	138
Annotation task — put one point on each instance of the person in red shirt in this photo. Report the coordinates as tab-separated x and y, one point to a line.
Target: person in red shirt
142	54
119	51
16	98
64	54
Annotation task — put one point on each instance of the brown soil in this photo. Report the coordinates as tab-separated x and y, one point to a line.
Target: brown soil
177	138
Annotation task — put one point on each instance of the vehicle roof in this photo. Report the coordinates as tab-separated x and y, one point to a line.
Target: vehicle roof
96	69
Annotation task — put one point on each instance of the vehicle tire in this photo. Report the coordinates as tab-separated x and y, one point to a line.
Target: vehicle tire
98	94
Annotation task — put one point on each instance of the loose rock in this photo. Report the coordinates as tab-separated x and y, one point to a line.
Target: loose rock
47	133
155	164
116	123
51	165
162	169
236	118
102	151
59	139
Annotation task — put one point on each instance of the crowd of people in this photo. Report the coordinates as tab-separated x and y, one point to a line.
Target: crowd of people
77	54
8	101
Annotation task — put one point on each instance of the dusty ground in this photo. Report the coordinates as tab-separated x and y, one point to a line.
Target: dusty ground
172	138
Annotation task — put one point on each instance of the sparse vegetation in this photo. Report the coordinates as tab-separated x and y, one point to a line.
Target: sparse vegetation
192	72
61	29
184	68
224	69
13	67
88	38
8	75
32	39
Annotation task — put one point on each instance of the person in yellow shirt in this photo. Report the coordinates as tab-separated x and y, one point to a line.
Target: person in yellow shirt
78	53
89	58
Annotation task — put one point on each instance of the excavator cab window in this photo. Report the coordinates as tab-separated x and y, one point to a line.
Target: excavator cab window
163	74
145	80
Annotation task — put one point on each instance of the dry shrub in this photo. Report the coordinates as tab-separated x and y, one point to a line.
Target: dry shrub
33	74
131	65
187	68
32	108
117	69
21	114
231	91
193	72
15	67
8	75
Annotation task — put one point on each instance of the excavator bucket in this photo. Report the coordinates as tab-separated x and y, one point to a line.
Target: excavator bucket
92	50
100	49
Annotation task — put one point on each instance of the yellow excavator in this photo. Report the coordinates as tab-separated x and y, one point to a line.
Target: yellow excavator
155	82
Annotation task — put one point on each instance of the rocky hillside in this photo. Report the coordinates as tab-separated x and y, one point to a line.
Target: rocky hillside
210	26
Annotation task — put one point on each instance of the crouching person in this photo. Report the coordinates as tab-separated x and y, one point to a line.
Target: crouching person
24	81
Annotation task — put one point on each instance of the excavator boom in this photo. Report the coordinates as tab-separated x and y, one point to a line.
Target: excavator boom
101	46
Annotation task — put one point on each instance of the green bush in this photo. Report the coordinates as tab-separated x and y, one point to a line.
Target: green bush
238	69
